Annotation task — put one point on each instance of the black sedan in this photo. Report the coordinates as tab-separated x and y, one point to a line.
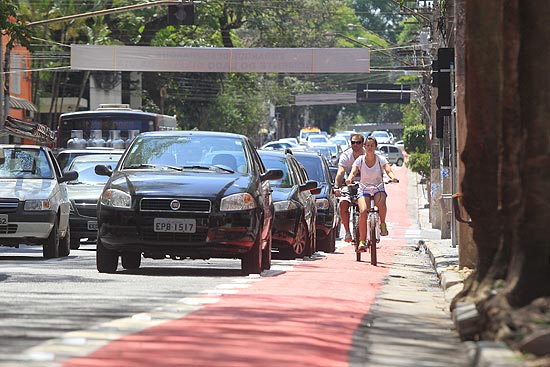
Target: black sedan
295	211
186	194
328	217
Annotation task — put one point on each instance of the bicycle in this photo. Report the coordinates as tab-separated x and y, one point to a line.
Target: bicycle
373	222
354	217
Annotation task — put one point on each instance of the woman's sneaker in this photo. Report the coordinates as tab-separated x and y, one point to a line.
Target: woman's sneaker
347	237
383	229
362	246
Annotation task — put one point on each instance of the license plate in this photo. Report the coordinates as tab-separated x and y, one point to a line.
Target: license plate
92	226
175	225
3	219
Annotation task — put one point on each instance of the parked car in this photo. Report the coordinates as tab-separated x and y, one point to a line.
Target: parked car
328	216
393	153
341	140
65	156
316	139
34	201
84	193
382	137
279	145
294	227
186	194
291	140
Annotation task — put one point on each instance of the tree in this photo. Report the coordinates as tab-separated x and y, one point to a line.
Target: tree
505	186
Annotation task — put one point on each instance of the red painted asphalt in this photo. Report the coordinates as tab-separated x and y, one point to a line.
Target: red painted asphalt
304	317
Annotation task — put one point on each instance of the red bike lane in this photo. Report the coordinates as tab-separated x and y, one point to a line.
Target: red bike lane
304	317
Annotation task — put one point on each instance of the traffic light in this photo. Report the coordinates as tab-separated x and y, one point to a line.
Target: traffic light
181	14
445	57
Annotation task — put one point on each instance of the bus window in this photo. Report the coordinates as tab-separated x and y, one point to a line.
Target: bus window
108	126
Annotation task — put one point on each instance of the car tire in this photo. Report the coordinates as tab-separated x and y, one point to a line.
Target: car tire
332	241
65	244
399	162
50	249
299	247
251	262
75	243
106	259
131	260
266	254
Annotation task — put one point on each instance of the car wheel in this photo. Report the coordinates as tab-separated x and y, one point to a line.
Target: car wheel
65	244
399	162
266	254
251	262
106	259
131	260
332	241
75	243
301	242
50	249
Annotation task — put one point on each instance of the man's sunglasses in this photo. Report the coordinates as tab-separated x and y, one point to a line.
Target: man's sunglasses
356	142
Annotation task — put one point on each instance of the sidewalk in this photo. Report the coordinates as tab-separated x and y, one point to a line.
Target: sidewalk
444	259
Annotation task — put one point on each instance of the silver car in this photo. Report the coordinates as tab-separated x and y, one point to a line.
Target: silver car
34	202
393	153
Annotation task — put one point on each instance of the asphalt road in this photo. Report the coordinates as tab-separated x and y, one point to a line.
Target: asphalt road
43	299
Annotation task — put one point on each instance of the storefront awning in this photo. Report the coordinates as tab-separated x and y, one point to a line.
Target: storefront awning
22	104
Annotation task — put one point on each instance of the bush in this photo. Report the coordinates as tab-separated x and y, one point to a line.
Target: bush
419	163
414	139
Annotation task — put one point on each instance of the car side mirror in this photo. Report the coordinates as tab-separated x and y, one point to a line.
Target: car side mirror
316	191
308	186
271	174
102	170
68	176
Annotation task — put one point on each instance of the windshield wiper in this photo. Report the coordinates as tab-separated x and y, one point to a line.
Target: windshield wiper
146	165
208	167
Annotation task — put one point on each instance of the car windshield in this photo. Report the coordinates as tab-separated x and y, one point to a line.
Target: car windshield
161	152
24	163
380	134
86	171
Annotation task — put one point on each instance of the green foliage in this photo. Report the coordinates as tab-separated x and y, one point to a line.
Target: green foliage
414	139
419	163
411	114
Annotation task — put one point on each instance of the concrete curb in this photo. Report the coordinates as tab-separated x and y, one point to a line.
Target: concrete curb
482	353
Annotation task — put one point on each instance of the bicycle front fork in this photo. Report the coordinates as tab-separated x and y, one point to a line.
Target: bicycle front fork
373	220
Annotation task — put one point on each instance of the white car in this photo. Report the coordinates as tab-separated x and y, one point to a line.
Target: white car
316	139
279	145
393	153
382	137
34	201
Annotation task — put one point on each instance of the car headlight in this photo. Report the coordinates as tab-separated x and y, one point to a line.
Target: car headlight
322	203
243	201
42	204
285	205
116	198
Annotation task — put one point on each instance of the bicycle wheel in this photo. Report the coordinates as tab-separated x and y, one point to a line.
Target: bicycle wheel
372	238
355	221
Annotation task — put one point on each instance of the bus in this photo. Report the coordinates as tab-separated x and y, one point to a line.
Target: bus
110	125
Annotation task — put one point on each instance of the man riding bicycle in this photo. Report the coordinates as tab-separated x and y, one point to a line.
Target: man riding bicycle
344	168
371	167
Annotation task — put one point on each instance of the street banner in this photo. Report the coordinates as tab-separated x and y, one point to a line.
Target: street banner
220	60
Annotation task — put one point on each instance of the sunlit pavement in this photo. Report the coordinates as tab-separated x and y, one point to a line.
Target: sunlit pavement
317	312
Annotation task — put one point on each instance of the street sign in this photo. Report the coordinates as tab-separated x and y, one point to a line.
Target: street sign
220	60
383	93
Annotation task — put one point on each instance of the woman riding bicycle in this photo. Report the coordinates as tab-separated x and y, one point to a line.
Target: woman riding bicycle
371	166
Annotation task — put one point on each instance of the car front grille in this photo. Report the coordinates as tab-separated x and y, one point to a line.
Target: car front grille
185	205
86	208
8	206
